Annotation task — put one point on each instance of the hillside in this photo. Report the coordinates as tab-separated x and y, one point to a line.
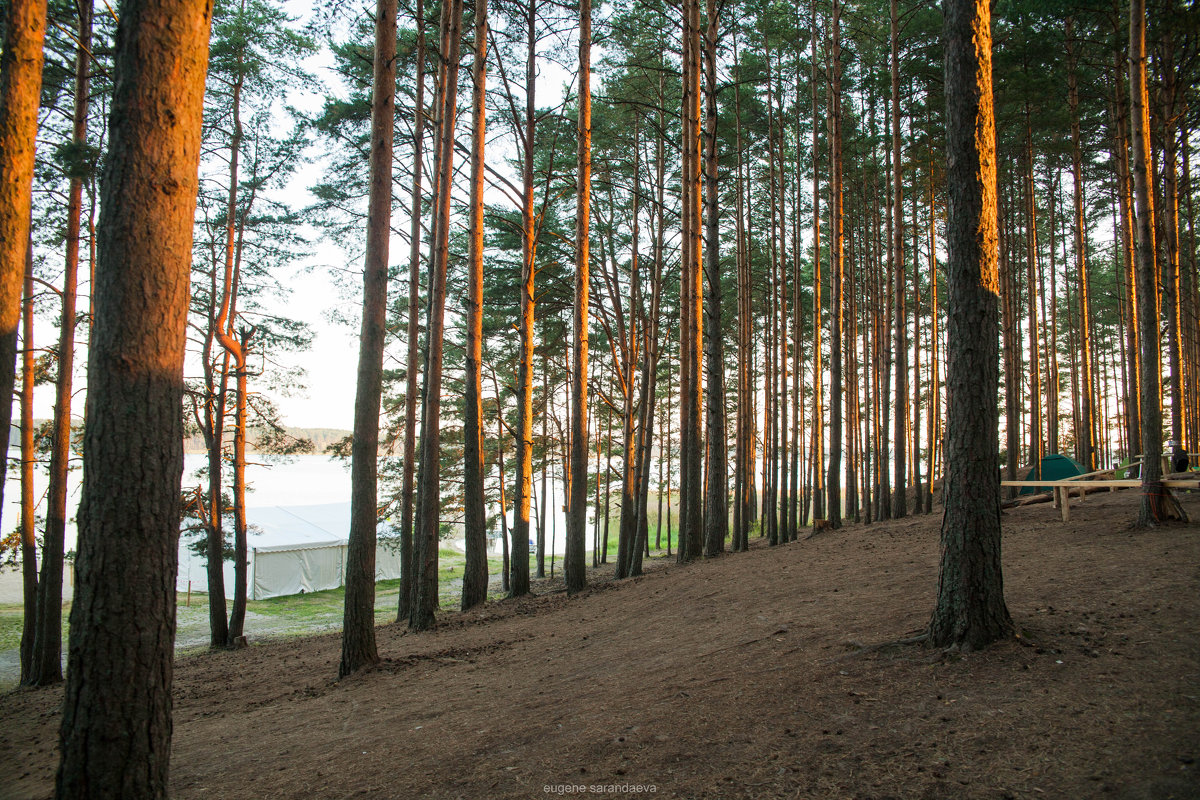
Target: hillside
741	677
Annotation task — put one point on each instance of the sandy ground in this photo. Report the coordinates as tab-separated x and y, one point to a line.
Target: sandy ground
741	676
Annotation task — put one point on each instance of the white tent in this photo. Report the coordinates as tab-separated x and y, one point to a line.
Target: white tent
292	549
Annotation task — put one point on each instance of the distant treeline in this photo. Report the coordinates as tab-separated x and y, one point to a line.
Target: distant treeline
320	437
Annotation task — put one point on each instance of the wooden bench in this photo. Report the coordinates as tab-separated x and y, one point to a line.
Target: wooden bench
1062	488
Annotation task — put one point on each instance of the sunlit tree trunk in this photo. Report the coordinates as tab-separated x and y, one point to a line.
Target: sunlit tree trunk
818	412
47	666
115	736
20	95
29	548
236	352
524	431
576	566
358	619
475	575
1155	507
834	481
970	611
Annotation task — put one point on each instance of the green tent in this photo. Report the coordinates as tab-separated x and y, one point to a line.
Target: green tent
1055	467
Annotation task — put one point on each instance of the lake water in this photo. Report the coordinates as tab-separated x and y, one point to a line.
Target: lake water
305	480
302	480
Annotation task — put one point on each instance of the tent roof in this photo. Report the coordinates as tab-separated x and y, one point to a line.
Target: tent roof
274	528
1054	467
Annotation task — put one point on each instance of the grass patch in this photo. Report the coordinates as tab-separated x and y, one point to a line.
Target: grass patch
12	620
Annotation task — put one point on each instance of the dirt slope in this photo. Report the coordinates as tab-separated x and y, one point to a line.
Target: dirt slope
735	677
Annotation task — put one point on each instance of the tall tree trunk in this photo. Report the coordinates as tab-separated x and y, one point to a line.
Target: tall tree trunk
970	611
29	550
524	432
475	575
1128	277
576	567
1172	294
47	656
115	736
237	614
649	379
716	511
1053	381
1036	442
235	354
412	361
1086	432
744	478
1155	507
428	511
20	98
691	426
834	481
899	457
358	619
818	420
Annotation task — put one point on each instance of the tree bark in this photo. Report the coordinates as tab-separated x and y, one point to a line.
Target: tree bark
1155	507
692	423
47	662
475	576
358	620
899	457
970	611
576	567
20	98
1087	425
428	516
412	361
834	481
716	512
29	550
524	432
818	410
116	725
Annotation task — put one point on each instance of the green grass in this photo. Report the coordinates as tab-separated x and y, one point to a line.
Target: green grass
12	619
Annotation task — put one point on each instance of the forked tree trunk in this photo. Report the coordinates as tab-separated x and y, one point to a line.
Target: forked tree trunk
475	576
115	737
358	618
970	611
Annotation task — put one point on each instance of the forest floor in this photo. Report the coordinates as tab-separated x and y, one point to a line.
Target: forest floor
756	675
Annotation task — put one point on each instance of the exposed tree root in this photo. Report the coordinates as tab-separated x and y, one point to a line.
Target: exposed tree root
863	649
